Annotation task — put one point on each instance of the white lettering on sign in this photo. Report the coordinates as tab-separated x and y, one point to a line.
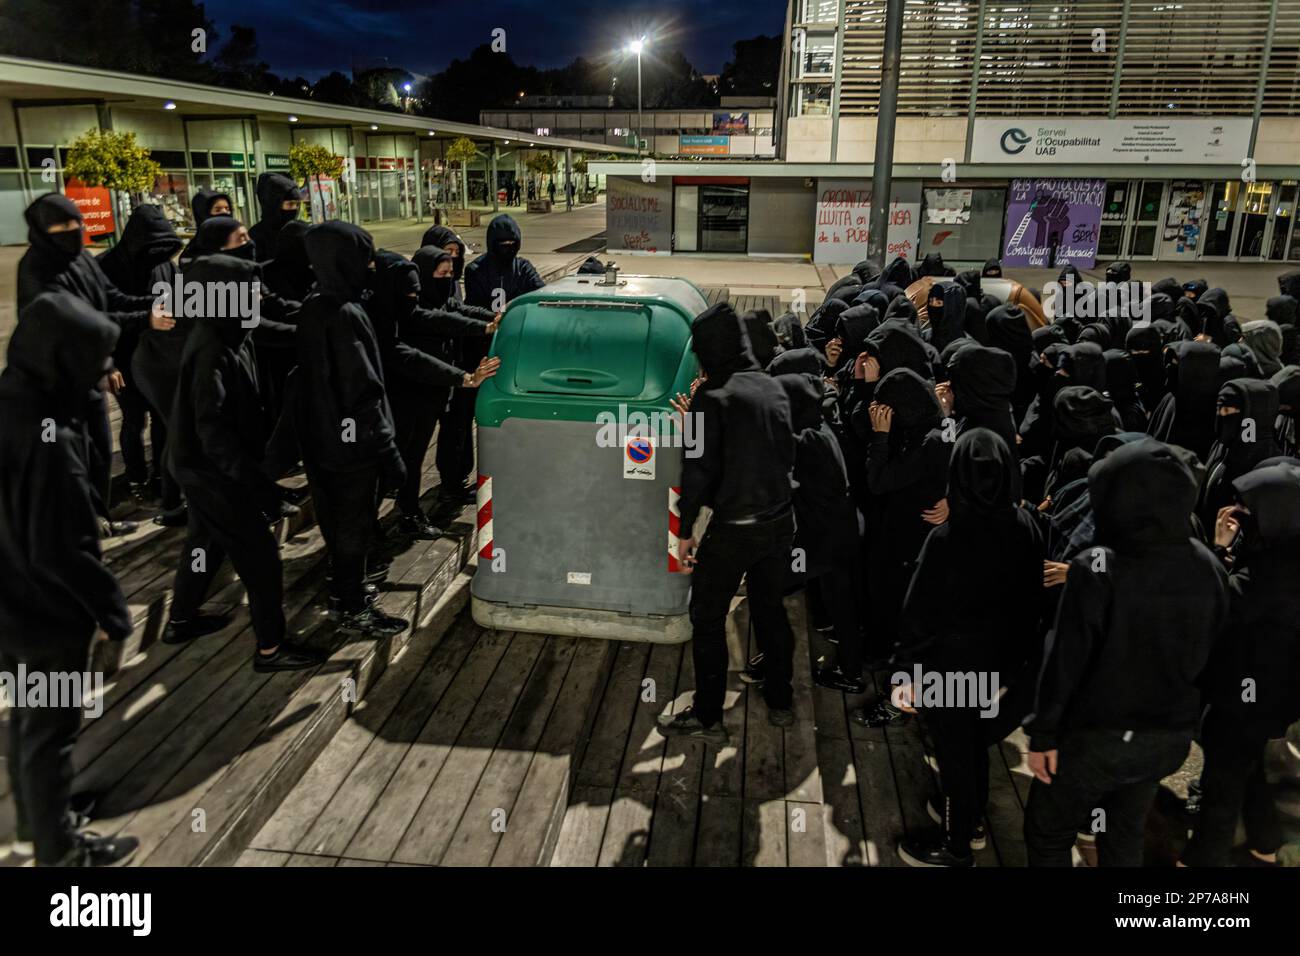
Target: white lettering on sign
579	577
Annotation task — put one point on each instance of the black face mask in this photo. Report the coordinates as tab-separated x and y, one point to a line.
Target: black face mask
248	251
66	244
440	288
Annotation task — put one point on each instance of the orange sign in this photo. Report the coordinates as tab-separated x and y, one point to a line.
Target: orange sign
96	205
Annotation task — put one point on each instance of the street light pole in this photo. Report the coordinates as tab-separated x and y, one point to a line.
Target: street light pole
886	116
636	46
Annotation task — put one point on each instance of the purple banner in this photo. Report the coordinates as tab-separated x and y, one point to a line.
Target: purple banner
1053	222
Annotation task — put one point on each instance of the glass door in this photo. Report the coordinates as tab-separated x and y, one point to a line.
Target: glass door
1184	215
724	218
1114	213
1220	218
1144	227
1283	220
1255	211
686	218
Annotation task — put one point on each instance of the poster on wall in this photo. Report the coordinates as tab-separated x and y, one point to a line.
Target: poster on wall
950	206
639	215
96	206
324	203
731	124
1053	222
1183	218
844	219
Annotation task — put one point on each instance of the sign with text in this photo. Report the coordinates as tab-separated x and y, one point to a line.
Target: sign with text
1052	222
1157	139
96	206
704	145
844	220
639	215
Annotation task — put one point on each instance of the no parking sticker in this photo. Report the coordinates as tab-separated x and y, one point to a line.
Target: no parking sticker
639	458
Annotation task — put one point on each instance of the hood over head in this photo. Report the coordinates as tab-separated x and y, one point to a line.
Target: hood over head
1081	414
443	236
1192	369
201	204
1189	315
899	272
932	265
762	339
1119	272
1161	306
874	298
789	331
719	341
1271	494
1288	283
1168	286
1096	333
1085	364
148	240
981	476
1045	335
1121	376
992	269
272	190
1143	338
504	237
949	321
1287	383
1142	493
969	280
1216	299
291	268
983	379
866	270
215	233
1008	330
396	287
901	307
805	394
1195	288
1255	400
896	344
855	324
915	407
340	255
58	248
218	270
1282	309
1242	353
61	347
801	361
434	293
1265	340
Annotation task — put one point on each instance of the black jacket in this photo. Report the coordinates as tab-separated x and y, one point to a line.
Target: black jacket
1243	440
272	190
746	431
339	392
1140	611
501	267
1185	416
54	588
140	260
217	433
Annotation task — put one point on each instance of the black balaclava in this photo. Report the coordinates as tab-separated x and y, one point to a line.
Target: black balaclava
60	348
220	268
854	326
1084	363
1142	493
901	307
1271	493
982	477
1081	415
946	309
1287	383
55	250
396	286
1121	376
1264	339
899	272
718	339
932	265
1094	333
434	292
442	237
340	255
1119	272
503	240
992	269
798	362
215	233
790	332
272	190
148	240
762	340
912	399
1254	399
201	205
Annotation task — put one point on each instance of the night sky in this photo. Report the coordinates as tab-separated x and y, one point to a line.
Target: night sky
313	39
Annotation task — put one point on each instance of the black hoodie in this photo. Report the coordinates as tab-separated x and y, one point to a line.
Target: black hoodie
762	339
500	267
201	205
140	259
1008	329
289	275
932	265
1185	416
746	431
1145	348
1287	383
272	190
340	371
1261	647
970	606
983	381
1289	284
1285	311
1139	612
790	332
1242	440
948	322
1122	386
992	269
54	589
442	237
805	361
217	430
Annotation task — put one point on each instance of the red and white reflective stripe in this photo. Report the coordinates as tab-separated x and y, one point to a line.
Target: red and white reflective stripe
674	529
484	501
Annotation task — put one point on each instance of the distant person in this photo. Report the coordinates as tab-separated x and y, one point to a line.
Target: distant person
550	191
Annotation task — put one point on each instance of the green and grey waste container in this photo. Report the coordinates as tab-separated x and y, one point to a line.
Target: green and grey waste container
580	461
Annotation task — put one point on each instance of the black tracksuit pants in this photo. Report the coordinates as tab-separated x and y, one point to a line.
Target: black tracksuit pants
761	554
1232	783
99	461
40	754
137	413
455	454
220	528
158	387
415	418
838	593
1100	770
346	505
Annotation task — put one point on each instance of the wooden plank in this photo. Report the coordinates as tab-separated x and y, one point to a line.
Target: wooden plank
805	837
583	830
306	859
764	744
765	832
803	781
719	841
252	857
602	762
673	828
627	830
882	817
643	757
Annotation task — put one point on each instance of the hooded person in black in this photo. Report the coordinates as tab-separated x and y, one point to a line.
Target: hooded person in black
1246	415
206	204
1008	330
821	324
278	200
1287	383
1117	700
826	525
789	332
907	461
982	381
1122	386
1081	417
932	265
1218	321
1145	348
343	420
762	339
899	273
968	611
1264	338
946	311
57	261
289	274
140	260
417	379
1285	311
1253	682
218	438
1080	364
1195	288
1238	361
992	269
56	596
1185	416
1119	272
743	474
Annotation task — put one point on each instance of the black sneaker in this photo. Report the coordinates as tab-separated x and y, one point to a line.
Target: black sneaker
91	849
182	632
417	526
115	529
979	837
378	574
370	591
931	851
836	679
882	714
371	620
780	716
287	657
177	517
686	724
753	672
81	807
457	495
141	492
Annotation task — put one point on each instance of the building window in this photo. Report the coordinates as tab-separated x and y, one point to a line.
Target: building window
814	99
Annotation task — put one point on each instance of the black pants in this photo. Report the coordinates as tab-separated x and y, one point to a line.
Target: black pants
40	754
137	413
157	384
1232	783
1100	770
838	592
346	505
230	526
455	454
962	749
760	553
415	420
99	460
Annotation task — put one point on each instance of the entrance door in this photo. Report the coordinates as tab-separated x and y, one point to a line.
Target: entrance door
686	219
724	218
1184	215
1283	218
1220	218
1255	210
1144	228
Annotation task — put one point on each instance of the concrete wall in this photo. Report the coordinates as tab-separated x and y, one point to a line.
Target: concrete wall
782	214
916	139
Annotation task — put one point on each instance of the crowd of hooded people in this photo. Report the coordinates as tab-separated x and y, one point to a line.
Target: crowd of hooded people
1103	516
1097	518
348	362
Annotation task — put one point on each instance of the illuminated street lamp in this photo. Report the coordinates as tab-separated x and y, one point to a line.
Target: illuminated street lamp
636	46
